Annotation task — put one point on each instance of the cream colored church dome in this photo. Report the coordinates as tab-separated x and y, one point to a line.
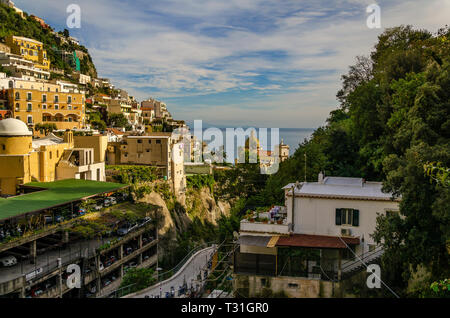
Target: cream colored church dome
13	127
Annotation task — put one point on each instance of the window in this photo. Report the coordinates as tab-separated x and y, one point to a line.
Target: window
56	99
347	217
56	106
69	99
28	96
50	154
349	254
391	213
29	107
30	119
44	98
44	106
139	141
149	141
69	107
158	141
17	107
3	147
17	95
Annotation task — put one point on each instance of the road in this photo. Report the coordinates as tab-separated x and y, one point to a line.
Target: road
187	274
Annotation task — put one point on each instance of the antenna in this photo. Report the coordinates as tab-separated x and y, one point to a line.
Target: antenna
305	166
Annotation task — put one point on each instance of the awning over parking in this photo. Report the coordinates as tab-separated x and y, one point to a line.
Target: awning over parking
316	241
254	240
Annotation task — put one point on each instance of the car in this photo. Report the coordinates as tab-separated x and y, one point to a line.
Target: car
132	264
59	218
8	261
81	211
101	267
122	231
110	201
107	282
98	207
48	219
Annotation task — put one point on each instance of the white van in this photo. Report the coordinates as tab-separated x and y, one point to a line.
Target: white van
8	261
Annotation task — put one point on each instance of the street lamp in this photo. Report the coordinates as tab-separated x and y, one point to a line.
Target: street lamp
158	269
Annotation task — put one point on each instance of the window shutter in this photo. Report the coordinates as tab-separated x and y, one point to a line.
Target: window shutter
338	216
355	217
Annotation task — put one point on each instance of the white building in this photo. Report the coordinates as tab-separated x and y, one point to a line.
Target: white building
335	215
21	68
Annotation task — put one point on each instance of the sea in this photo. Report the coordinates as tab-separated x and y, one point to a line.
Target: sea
290	136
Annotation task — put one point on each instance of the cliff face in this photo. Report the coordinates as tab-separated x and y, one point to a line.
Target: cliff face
178	214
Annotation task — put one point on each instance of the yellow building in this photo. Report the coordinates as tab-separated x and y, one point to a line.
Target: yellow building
30	49
158	149
23	159
44	103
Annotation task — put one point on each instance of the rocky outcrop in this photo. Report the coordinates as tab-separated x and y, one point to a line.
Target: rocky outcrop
178	215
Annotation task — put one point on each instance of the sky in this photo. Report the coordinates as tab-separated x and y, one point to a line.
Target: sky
231	63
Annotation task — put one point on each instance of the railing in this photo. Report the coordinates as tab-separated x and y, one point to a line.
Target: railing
123	291
362	259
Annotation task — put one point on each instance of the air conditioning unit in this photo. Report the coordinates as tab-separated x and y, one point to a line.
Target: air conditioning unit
346	232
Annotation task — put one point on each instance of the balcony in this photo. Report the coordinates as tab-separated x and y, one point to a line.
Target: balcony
274	221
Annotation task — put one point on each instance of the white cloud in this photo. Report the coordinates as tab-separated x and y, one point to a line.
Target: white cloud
165	45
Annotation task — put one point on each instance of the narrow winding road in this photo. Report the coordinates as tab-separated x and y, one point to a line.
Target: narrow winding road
197	264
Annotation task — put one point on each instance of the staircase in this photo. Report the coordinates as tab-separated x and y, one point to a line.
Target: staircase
359	263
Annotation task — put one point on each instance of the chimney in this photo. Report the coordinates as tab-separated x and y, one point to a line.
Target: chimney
320	178
68	138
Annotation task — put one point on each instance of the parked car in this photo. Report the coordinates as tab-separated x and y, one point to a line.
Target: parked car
81	211
98	207
101	267
8	261
59	218
48	219
122	231
110	201
107	282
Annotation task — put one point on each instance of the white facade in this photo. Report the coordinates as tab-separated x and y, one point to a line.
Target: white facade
315	206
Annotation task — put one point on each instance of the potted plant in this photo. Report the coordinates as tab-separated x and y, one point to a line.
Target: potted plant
265	221
252	220
280	221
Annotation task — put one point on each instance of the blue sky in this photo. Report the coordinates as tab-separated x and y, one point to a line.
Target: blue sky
256	63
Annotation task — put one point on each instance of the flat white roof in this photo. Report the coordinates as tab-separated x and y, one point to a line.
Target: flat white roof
342	187
143	137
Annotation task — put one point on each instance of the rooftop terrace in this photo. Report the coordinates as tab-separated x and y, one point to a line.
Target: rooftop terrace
53	194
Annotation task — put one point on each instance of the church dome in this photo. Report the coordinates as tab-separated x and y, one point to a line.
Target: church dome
13	127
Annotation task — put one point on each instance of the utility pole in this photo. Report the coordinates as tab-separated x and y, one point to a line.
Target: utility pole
60	276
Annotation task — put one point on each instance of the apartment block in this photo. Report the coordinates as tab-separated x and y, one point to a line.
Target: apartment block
30	49
39	102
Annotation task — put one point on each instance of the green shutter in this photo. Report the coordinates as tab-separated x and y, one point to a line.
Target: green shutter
355	217
338	216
